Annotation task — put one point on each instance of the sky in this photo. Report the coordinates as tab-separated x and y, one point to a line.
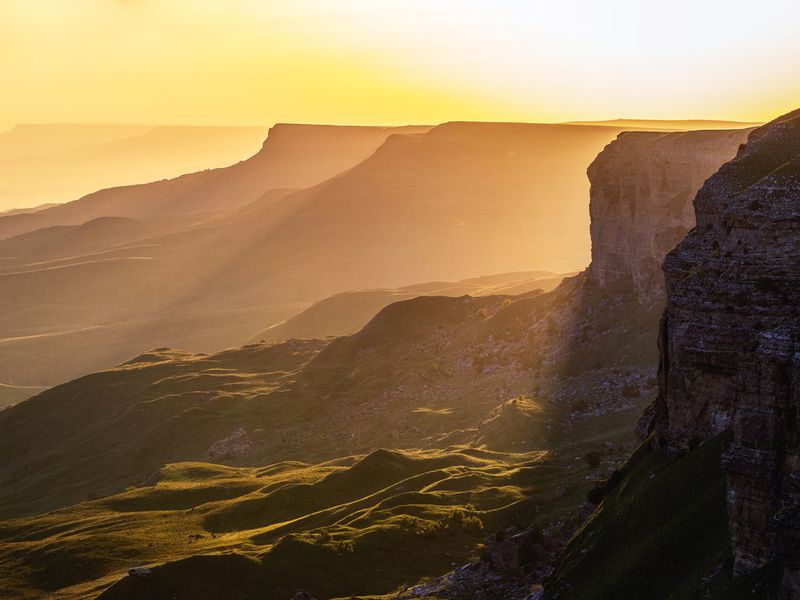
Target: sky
257	62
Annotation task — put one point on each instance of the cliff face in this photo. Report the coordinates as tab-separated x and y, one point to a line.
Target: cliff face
642	186
730	344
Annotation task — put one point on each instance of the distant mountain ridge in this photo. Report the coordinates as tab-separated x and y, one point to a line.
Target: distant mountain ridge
671	124
81	159
292	156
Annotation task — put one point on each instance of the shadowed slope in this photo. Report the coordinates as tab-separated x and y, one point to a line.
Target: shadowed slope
346	313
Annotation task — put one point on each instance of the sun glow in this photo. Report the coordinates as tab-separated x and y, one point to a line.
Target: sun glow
248	61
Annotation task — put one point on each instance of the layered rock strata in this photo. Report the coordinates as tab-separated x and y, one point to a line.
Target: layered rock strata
642	186
730	344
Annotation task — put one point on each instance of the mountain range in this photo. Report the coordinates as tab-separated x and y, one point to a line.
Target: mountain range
206	260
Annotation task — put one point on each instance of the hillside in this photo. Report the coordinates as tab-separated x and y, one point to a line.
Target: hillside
346	313
488	442
336	528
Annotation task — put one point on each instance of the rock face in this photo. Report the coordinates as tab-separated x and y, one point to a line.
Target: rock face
641	189
642	186
730	344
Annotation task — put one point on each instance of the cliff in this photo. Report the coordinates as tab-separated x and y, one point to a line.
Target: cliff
642	186
730	344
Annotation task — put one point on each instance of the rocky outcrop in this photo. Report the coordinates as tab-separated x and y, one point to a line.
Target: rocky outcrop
730	344
642	187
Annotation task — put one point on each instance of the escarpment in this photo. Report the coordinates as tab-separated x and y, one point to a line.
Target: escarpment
642	187
730	344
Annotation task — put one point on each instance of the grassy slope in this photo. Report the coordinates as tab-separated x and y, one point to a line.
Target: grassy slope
662	532
343	527
443	378
353	515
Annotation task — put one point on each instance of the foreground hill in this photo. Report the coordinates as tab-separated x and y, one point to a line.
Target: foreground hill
78	159
489	441
411	379
342	527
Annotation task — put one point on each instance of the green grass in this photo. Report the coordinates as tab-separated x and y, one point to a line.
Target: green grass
367	525
335	528
474	449
662	532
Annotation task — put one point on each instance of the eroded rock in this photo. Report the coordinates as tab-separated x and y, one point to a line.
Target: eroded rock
730	343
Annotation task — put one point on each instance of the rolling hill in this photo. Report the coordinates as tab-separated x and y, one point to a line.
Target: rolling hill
346	313
485	440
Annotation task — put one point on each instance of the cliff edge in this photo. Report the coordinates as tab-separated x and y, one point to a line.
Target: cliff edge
730	344
642	186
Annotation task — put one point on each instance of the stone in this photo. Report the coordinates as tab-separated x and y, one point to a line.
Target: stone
642	186
235	446
141	572
730	344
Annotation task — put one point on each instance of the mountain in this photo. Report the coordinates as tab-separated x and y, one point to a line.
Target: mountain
723	434
669	167
500	413
82	158
292	156
42	139
94	287
32	209
730	341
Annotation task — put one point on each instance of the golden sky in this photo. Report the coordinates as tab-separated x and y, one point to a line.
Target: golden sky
393	61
